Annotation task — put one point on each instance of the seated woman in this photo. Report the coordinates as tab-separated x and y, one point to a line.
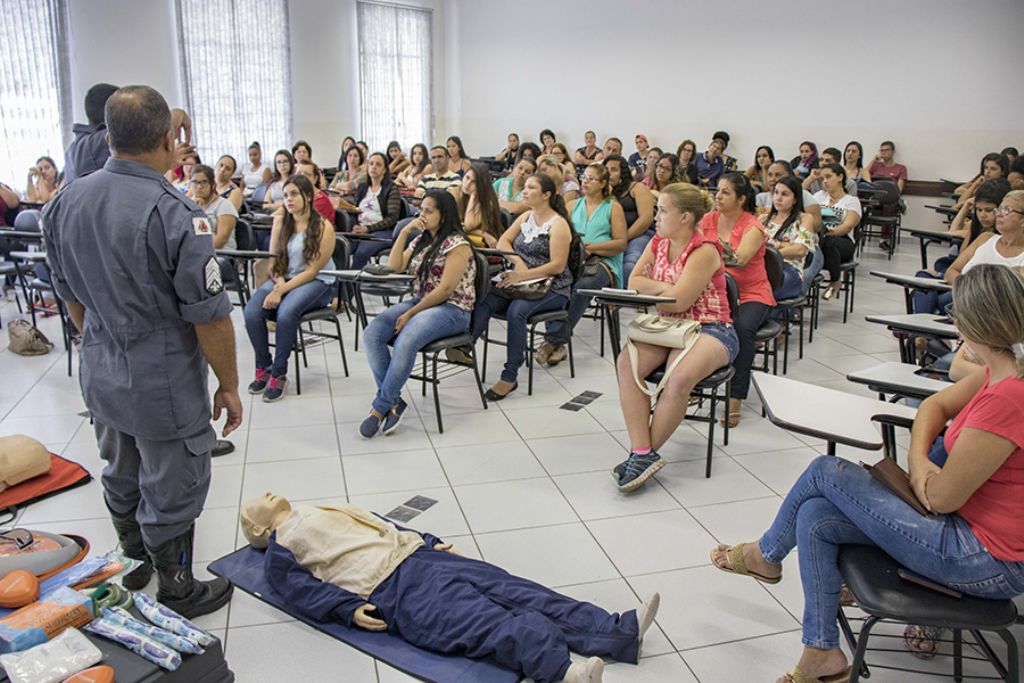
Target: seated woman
284	168
637	208
687	153
791	231
561	152
840	214
993	165
680	262
478	208
225	186
666	172
346	182
346	565
180	176
653	154
549	165
853	162
510	188
806	160
303	244
971	479
743	240
301	151
322	204
346	144
541	239
256	173
589	152
758	172
547	141
601	223
380	204
528	150
419	164
458	160
220	211
440	259
42	181
397	161
507	155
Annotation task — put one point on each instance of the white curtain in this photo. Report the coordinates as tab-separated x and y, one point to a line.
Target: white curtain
395	56
235	68
35	116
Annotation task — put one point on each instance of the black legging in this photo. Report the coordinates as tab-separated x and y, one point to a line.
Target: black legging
837	251
748	321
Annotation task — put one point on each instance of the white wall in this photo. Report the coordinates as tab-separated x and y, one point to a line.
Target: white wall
769	73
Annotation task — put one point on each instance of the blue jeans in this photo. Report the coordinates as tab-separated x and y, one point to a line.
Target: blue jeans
517	312
558	332
307	297
792	283
364	250
931	301
634	250
835	503
391	367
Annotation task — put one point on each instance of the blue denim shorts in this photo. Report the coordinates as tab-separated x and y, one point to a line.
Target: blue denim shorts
725	335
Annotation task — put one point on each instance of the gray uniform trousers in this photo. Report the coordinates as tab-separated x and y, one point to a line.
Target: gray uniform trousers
165	482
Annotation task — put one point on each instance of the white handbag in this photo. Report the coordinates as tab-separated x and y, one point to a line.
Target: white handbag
673	333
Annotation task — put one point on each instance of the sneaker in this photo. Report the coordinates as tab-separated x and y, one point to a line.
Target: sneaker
558	355
458	355
636	470
645	617
260	383
275	389
394	416
369	427
543	353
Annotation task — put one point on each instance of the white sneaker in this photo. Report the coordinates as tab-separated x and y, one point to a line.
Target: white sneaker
590	671
645	617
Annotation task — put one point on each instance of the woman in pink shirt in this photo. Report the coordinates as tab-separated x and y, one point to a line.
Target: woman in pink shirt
743	238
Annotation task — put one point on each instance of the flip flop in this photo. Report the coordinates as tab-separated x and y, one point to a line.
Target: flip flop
798	676
737	566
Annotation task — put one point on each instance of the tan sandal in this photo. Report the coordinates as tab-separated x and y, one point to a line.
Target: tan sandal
734	419
737	565
798	676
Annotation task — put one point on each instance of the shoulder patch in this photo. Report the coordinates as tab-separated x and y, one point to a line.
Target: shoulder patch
214	283
201	226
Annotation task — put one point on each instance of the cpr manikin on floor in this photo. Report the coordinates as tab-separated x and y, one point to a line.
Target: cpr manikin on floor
346	564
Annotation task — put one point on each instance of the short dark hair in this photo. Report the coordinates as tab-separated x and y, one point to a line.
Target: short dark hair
203	169
1016	167
95	102
442	148
786	166
137	119
888	143
723	136
837	169
613	139
302	143
834	153
1011	152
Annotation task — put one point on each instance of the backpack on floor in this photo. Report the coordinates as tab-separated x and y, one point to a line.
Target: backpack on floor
26	340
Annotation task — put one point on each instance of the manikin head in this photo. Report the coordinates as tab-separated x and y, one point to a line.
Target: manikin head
261	516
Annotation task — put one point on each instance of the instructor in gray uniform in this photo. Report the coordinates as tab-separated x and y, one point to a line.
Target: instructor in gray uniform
134	260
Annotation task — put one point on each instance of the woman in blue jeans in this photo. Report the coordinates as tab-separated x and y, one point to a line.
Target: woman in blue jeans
440	259
541	238
303	244
973	540
791	232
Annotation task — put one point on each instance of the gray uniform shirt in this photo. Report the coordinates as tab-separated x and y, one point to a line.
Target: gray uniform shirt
138	255
87	153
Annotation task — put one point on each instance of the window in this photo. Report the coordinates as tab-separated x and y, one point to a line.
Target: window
235	68
395	56
35	112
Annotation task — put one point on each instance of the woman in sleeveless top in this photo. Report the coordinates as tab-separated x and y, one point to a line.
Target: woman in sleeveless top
602	225
226	188
541	239
284	168
303	244
679	263
256	173
440	259
790	231
638	209
478	207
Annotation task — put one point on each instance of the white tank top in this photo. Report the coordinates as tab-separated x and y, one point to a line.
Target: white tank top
987	253
253	178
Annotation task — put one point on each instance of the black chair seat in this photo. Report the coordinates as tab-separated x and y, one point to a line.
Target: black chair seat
713	380
326	313
542	317
448	343
879	220
768	331
870	575
849	265
8	268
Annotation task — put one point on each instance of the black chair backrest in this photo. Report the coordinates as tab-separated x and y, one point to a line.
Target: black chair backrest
506	218
342	252
581	262
732	292
407	210
245	236
773	264
890	192
482	281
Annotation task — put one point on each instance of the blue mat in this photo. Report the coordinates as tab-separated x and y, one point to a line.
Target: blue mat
244	568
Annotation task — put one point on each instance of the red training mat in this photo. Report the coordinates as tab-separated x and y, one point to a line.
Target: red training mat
63	475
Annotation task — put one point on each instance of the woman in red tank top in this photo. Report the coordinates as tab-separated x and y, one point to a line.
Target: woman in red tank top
680	263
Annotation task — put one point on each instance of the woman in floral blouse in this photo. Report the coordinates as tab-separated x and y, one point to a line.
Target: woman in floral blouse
790	231
440	259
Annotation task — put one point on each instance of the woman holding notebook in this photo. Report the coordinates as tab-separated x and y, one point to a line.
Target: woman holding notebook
971	481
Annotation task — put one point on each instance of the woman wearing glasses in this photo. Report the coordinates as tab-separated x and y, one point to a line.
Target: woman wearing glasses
1005	247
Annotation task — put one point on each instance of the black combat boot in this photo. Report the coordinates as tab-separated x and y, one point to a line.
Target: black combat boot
129	534
178	588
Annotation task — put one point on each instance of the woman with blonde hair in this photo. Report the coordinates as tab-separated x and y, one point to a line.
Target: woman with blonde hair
679	262
971	479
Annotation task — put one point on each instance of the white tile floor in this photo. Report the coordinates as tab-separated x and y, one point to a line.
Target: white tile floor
524	485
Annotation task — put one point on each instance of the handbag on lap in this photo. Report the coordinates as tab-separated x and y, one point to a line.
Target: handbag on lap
673	333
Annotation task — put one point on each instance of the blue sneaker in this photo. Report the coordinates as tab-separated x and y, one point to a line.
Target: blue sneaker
275	389
394	416
637	469
369	427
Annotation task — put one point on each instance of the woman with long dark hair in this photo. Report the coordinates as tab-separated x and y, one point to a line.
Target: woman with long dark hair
666	172
791	232
43	179
758	172
440	259
637	204
419	162
284	168
458	160
397	161
303	244
993	165
478	207
853	162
